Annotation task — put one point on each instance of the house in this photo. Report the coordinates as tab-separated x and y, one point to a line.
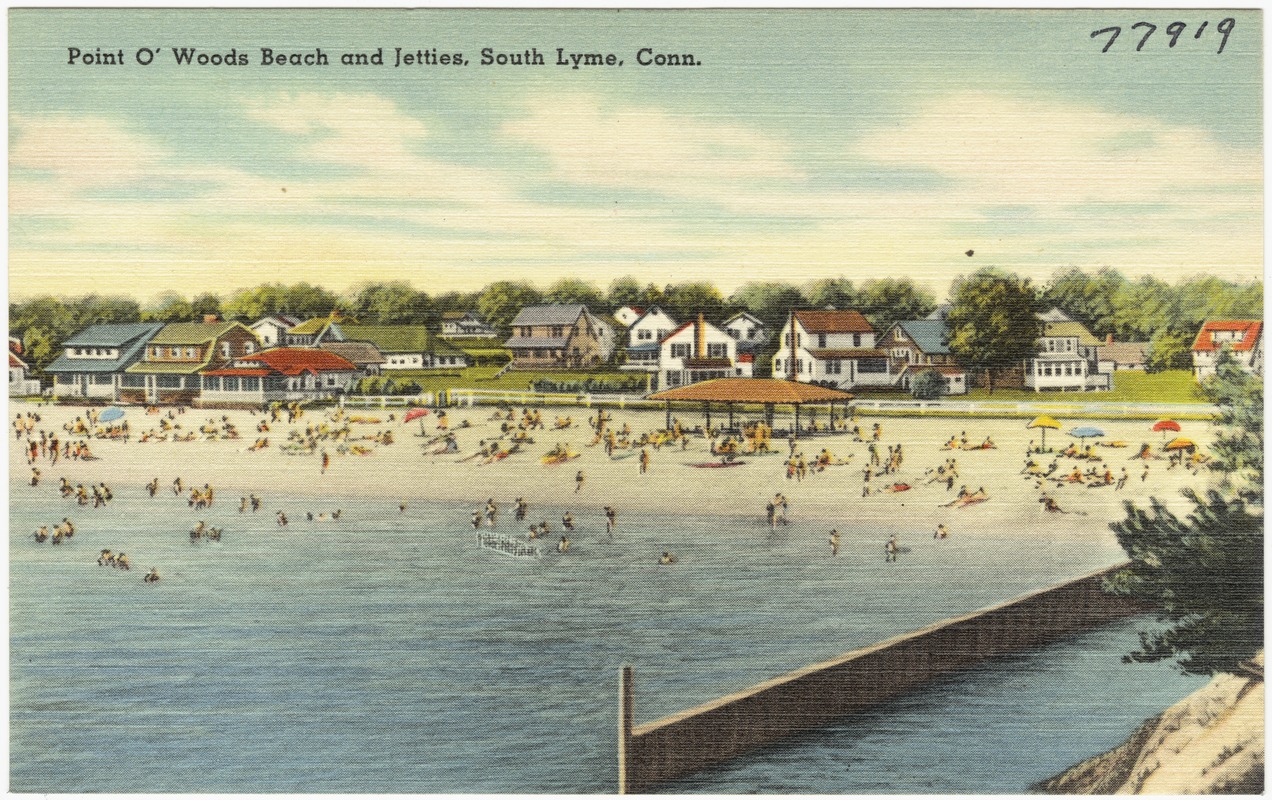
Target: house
694	352
747	330
402	346
559	336
913	346
310	332
830	348
1243	339
20	382
363	355
1067	359
280	374
178	353
626	315
1124	355
272	330
465	325
94	362
643	337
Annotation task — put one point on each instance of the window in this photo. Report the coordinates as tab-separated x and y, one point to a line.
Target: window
102	379
229	384
79	351
856	340
799	365
644	334
251	384
225	349
189	352
680	351
155	352
558	330
718	350
169	381
875	365
896	334
834	367
673	378
821	340
249	348
175	352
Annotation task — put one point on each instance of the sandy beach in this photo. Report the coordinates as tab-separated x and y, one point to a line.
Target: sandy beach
405	470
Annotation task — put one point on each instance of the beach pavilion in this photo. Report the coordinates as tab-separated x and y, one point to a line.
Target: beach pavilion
767	392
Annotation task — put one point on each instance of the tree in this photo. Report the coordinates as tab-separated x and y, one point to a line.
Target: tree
394	303
206	305
168	307
500	301
770	301
1204	574
684	301
1169	350
624	291
888	300
993	321
836	293
574	290
928	385
1089	299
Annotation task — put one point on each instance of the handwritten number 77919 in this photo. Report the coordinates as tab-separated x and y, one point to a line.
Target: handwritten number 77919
1173	30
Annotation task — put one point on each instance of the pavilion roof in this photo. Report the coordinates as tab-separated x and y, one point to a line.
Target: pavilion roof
752	390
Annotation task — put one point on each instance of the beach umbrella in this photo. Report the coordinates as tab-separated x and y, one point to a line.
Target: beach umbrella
1086	431
415	413
1166	425
1044	422
111	414
1181	443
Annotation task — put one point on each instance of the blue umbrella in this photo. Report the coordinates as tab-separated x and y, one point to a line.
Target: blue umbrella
1085	431
111	414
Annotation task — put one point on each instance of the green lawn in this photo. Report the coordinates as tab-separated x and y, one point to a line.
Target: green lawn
1131	386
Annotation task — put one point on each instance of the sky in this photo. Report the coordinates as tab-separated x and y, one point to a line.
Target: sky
806	144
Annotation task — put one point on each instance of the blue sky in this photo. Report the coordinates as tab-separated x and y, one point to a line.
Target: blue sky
808	144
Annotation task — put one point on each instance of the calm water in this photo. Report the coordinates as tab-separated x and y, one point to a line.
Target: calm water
387	653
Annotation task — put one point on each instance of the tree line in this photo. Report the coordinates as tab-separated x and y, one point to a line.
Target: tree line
1148	309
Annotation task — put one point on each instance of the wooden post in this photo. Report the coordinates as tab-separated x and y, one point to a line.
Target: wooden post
795	434
707	407
624	728
668	415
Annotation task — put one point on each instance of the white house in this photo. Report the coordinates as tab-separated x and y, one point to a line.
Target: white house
1067	359
280	374
747	330
465	325
696	351
1243	338
20	382
830	348
629	314
272	330
643	337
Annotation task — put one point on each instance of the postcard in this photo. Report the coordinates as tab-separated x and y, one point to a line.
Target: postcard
583	401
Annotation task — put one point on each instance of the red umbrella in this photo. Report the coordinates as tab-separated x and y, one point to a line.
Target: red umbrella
1166	425
415	413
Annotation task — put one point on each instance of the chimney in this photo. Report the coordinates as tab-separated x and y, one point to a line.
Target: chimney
700	337
1108	339
210	318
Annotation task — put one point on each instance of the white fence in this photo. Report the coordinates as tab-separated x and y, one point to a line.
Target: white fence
466	397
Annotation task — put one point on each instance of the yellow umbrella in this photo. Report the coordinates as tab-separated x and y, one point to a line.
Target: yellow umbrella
1181	444
1044	422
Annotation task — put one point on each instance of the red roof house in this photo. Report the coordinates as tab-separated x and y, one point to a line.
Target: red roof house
1243	338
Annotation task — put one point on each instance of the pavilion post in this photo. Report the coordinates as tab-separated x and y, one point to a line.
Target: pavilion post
730	407
796	433
707	407
668	404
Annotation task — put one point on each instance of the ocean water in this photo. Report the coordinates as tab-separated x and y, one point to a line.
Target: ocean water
387	652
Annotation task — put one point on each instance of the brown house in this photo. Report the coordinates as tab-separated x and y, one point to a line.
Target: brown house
559	337
169	371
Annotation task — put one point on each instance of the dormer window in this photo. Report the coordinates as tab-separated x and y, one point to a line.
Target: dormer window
225	349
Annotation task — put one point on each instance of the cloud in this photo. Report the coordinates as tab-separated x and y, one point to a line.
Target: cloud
591	141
